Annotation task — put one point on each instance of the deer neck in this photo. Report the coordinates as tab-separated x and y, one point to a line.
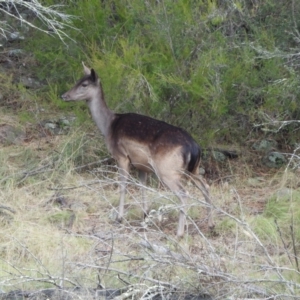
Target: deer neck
101	114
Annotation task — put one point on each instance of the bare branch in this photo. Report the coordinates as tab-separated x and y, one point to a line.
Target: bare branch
273	125
53	19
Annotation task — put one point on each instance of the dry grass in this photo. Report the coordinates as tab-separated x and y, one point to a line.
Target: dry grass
57	229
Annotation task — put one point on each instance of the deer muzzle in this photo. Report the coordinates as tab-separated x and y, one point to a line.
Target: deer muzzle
65	97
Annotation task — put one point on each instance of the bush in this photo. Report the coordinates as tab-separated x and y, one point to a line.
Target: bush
210	67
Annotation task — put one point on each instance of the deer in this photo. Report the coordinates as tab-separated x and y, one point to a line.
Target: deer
148	144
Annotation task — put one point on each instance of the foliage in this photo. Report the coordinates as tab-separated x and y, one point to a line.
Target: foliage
210	66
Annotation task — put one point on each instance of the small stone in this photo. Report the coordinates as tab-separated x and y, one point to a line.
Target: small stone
264	145
63	123
201	171
15	52
15	36
274	160
29	82
218	156
50	126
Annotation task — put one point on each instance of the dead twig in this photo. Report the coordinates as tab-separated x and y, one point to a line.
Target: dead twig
294	247
7	208
283	242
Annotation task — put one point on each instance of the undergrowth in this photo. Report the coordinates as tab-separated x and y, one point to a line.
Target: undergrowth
216	69
57	228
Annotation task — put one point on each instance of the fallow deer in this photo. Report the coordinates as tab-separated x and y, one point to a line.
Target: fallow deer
147	144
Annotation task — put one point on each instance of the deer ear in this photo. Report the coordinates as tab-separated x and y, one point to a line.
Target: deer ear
87	71
94	75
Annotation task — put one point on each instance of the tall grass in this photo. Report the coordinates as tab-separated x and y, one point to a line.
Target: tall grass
57	231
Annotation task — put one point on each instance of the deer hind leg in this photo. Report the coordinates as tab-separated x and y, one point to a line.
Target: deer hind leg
123	176
204	188
175	186
143	178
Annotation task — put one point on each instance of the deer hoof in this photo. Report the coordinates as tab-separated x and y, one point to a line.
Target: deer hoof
211	226
115	217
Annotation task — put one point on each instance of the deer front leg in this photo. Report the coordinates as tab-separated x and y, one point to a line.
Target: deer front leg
123	176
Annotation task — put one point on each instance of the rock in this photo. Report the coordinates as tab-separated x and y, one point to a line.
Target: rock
50	126
29	82
15	36
60	126
64	122
274	160
15	53
201	171
218	156
11	135
264	145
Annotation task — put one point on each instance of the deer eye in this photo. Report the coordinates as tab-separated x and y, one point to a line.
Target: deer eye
84	84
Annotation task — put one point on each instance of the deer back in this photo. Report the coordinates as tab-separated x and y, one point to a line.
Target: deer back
144	138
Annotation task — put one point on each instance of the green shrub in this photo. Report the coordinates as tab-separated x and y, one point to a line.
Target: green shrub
209	67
